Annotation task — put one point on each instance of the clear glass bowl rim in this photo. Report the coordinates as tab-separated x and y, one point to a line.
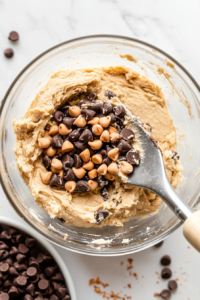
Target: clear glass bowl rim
17	210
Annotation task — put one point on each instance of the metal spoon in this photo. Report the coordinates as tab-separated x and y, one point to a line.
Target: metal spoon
151	175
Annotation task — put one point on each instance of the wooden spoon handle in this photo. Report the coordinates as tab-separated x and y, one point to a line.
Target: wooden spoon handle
191	230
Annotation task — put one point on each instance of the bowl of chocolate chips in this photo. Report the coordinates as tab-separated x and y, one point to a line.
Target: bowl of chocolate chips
30	268
68	143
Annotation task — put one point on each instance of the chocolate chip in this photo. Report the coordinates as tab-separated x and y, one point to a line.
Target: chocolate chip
23	249
13	271
113	118
102	181
81	146
13	292
86	136
67	162
50	271
28	297
166	273
120	123
103	153
67	297
12	231
20	267
175	155
74	135
43	284
100	215
61	292
124	146
165	294
92	152
106	161
31	289
69	175
58	116
5	235
107	108
82	187
56	142
21	258
8	52
53	297
77	161
99	116
91	96
47	161
121	158
172	285
71	153
21	280
30	242
56	181
97	107
68	122
31	272
108	148
3	246
57	277
3	254
13	36
104	194
88	114
4	296
165	260
133	157
40	258
119	111
86	177
127	134
20	238
109	94
4	268
9	261
158	244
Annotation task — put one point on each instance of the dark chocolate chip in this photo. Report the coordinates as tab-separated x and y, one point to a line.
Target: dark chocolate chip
133	157
82	187
165	260
61	292
43	284
23	249
92	152
120	122
121	158
86	177
20	267
50	271
20	238
12	231
106	161
31	272
47	161
13	292
35	251
4	296
68	122
74	135
109	94
67	162
113	118
9	261
99	116
91	96
4	268
40	258
104	194
57	142
165	294
21	258
71	153
127	134
53	297
124	146
28	297
108	148
69	175
30	242
166	273
172	285
158	244
57	277
100	215
58	116
77	161
88	114
97	107
119	111
81	146
56	181
3	254
31	289
107	108
67	297
5	235
13	36
3	246
8	52
103	153
21	281
83	102
175	155
13	250
86	136
13	271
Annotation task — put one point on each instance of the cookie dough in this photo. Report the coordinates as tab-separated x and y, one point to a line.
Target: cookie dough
142	97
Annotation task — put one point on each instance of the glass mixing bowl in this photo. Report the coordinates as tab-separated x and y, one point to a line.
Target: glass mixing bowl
183	100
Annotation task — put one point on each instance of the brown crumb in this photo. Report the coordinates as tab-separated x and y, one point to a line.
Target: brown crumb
97	281
157	282
129	285
130	273
97	289
156	294
121	263
188	247
130	260
136	275
129	267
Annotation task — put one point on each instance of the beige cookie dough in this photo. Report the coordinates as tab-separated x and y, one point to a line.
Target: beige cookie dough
142	97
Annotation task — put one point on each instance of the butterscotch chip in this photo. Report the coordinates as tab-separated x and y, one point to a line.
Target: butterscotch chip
63	130
88	166
80	121
92	174
126	168
74	111
45	177
102	170
70	186
105	136
53	129
95	145
44	142
113	154
97	159
92	184
113	168
85	155
112	129
79	173
67	147
105	121
50	151
56	163
94	121
109	176
54	170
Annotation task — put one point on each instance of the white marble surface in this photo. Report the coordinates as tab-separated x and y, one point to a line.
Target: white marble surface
172	25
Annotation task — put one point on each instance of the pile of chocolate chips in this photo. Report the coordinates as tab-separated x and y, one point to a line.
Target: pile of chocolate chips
79	139
26	271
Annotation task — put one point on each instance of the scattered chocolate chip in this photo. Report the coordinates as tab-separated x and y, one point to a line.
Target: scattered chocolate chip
119	111
21	281
13	250
4	268
56	142
104	194
8	52
106	161
61	292
133	157
30	242
57	277
71	153
172	285
3	254
92	96
82	187
20	238
113	118
69	175
58	116
159	244
124	146
23	249
53	297
127	134
40	258
13	36
13	292
31	289
4	296
166	273
77	161
47	161
12	231
165	294
175	155
5	235
28	297
3	246
165	260
13	271
21	258
31	272
107	108
109	94
43	284
81	146
103	153
68	122
88	114
56	181
50	271
97	107
74	136
86	136
100	215
67	162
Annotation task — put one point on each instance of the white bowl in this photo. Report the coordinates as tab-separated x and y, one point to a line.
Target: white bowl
27	229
